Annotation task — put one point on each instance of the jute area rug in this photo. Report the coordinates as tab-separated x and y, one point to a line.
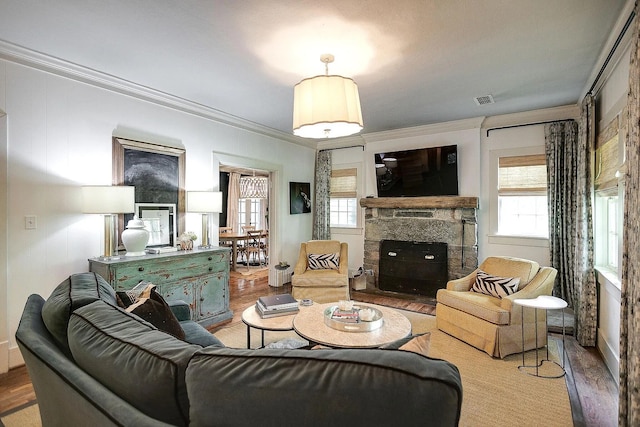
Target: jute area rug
26	416
495	392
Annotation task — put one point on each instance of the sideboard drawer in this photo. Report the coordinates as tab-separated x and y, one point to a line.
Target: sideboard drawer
166	270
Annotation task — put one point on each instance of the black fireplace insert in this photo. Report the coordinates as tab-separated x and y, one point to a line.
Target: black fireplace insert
413	267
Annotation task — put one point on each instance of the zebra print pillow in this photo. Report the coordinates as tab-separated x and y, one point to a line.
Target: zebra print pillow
495	286
324	261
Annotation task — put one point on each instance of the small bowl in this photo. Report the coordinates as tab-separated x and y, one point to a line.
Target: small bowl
367	315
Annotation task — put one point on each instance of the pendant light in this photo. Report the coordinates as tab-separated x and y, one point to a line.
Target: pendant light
326	106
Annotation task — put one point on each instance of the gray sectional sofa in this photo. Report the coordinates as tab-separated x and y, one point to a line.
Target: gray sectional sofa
94	364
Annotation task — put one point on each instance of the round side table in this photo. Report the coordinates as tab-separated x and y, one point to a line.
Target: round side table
252	319
544	302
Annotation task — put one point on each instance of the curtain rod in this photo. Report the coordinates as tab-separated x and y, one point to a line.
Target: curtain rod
342	148
520	125
612	51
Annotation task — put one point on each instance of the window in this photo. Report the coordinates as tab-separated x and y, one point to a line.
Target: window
252	212
522	196
343	201
609	195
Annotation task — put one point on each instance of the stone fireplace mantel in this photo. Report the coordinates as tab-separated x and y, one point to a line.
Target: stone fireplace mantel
446	219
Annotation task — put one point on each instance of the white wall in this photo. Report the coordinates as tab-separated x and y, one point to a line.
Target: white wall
59	138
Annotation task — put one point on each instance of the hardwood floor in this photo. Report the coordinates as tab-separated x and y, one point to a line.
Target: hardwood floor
592	390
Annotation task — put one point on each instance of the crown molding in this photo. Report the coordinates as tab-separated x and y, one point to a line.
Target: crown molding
43	62
564	112
444	127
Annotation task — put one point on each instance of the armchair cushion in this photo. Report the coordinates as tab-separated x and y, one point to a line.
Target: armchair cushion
495	285
324	261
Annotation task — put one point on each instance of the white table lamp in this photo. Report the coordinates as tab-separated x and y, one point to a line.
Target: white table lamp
109	201
207	203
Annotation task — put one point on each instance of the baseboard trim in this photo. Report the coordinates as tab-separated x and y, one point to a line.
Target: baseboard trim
4	357
611	359
15	357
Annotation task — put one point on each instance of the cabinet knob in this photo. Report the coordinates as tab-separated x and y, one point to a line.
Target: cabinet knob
210	268
140	268
201	299
210	258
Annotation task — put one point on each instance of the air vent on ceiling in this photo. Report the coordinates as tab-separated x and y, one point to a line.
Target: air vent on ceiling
484	100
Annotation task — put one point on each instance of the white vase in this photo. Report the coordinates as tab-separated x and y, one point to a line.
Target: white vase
135	237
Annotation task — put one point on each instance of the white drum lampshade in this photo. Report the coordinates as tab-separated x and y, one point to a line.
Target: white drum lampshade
206	203
108	200
326	106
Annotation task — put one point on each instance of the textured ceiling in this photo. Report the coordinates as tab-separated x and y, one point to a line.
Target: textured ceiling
415	62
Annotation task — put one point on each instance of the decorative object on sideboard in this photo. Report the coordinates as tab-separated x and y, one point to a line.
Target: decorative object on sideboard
135	237
206	203
326	106
186	240
109	201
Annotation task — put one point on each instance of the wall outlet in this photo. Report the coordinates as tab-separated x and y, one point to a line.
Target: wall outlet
30	222
368	272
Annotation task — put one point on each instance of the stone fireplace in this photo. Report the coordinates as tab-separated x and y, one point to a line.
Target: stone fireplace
439	219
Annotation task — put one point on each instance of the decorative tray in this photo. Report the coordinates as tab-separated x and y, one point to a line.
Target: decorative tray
350	321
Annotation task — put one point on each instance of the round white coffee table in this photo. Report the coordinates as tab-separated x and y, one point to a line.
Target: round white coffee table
309	324
252	319
544	302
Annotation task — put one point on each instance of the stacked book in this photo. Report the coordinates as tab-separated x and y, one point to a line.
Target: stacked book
345	316
277	305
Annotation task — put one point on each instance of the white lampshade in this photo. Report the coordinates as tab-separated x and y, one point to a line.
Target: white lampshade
108	199
204	201
326	107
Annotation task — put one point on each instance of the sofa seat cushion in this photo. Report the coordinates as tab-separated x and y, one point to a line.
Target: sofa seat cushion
194	333
479	305
139	363
76	291
320	278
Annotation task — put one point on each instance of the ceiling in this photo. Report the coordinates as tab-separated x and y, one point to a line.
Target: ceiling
416	62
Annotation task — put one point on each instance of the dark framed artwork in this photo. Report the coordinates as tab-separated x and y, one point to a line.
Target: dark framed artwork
299	197
156	171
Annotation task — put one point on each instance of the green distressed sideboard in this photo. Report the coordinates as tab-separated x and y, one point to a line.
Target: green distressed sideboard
200	277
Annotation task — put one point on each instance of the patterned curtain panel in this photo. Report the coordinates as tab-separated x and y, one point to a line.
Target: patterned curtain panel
629	410
322	212
570	233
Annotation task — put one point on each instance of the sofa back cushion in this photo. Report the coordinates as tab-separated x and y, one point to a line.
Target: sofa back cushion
322	387
132	358
511	267
75	292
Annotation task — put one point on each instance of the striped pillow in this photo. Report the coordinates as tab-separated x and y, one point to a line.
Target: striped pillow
495	286
324	261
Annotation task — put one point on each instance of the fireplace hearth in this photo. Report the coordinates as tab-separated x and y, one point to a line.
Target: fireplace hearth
447	220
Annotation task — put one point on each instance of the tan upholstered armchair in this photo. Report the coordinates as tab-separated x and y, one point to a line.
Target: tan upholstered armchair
324	284
494	324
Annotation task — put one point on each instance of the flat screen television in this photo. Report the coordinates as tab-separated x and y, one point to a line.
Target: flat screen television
429	171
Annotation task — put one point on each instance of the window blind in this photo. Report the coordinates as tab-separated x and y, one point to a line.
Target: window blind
344	182
607	157
522	174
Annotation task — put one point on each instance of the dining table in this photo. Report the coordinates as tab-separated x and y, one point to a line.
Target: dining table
234	238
